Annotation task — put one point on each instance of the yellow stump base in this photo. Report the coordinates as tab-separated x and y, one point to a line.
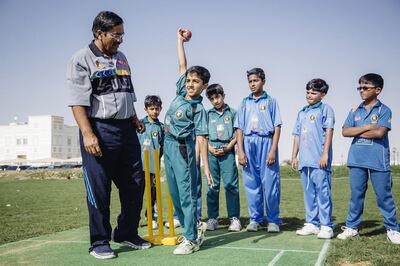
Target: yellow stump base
166	240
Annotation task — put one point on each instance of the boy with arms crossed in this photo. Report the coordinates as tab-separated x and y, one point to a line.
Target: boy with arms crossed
369	156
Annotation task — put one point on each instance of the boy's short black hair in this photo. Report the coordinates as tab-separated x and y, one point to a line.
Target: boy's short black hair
373	78
152	100
256	71
202	72
214	89
319	85
105	21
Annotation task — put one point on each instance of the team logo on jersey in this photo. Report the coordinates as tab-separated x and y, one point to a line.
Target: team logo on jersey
262	108
146	142
178	114
227	119
304	130
357	118
374	118
154	134
312	118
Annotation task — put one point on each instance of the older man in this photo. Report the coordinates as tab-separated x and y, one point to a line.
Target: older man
102	100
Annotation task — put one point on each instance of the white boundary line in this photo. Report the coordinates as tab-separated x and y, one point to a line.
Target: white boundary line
265	249
276	258
322	254
12	251
56	241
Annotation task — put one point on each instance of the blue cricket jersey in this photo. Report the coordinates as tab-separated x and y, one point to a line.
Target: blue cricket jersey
258	116
370	153
311	124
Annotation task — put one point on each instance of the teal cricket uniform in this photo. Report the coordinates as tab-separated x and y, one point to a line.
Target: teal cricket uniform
220	133
152	139
184	120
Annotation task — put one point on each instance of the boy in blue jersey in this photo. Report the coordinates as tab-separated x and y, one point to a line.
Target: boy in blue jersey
313	134
221	158
186	120
152	139
258	129
369	156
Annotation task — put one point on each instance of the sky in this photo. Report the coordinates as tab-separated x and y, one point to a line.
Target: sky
293	41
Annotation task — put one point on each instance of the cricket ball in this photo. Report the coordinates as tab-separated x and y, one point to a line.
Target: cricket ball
187	35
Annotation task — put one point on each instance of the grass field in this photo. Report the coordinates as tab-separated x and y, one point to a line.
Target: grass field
34	204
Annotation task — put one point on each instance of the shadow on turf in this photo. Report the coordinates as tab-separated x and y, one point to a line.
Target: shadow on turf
122	249
222	237
367	228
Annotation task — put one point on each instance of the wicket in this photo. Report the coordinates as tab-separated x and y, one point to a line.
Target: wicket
160	239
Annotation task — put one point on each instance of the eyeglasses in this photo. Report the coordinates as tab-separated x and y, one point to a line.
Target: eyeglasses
365	88
117	36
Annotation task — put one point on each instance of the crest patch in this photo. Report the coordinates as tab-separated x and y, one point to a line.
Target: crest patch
374	118
227	119
154	134
262	108
178	114
312	118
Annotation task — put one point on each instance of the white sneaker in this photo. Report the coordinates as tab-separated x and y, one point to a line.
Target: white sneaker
186	247
253	226
201	229
308	229
212	224
326	232
154	224
393	236
273	228
347	233
235	225
176	223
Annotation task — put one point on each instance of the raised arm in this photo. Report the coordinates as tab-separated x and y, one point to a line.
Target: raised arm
182	63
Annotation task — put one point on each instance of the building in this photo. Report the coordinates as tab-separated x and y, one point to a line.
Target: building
42	137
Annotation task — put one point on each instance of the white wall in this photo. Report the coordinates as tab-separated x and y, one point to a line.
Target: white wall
40	138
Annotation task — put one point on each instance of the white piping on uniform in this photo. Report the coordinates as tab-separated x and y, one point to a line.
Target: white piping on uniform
126	107
104	106
308	177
